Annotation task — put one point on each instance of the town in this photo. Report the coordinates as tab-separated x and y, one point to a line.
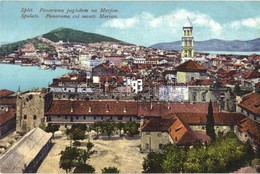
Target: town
172	106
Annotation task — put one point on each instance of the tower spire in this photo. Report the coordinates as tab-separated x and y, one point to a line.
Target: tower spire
187	51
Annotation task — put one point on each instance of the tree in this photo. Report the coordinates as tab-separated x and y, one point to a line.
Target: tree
210	122
76	157
110	170
97	127
131	128
108	127
195	159
174	159
153	163
52	128
77	132
84	168
68	158
120	127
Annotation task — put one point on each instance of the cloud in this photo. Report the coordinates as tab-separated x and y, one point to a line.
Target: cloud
249	23
121	23
147	28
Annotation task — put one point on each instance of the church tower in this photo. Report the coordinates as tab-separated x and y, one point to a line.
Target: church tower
187	51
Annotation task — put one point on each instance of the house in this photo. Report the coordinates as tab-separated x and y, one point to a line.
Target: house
7	122
26	155
190	70
250	106
7	100
103	70
157	132
248	130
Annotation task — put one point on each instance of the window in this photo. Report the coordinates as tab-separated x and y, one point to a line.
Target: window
102	118
203	97
65	126
110	117
194	96
94	117
120	118
84	117
77	117
25	117
66	117
34	117
63	96
161	146
48	118
147	146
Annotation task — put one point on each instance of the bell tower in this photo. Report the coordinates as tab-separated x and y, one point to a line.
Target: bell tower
187	52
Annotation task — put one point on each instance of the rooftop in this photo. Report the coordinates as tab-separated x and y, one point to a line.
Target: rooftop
251	102
188	23
190	66
24	151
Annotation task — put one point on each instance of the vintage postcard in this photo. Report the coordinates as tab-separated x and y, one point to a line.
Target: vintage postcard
129	86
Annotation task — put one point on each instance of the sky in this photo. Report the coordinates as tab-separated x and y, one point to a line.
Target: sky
142	23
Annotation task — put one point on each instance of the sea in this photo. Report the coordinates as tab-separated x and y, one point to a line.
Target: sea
15	77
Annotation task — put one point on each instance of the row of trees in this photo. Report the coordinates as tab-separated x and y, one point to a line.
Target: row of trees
225	154
109	127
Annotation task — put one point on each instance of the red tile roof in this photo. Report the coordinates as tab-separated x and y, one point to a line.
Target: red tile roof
157	109
221	118
251	102
6	116
190	66
180	132
252	128
252	75
158	125
201	82
5	92
79	107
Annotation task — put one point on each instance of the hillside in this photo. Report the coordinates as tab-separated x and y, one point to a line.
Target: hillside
7	49
214	45
64	34
71	35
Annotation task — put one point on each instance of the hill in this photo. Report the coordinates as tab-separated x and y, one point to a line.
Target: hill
64	34
214	45
71	35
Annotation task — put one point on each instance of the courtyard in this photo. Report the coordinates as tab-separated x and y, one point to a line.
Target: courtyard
121	152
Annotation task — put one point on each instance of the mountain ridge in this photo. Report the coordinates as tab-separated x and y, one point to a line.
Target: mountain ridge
74	35
214	45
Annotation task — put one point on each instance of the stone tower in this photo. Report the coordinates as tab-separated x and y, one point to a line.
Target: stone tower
187	52
30	107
